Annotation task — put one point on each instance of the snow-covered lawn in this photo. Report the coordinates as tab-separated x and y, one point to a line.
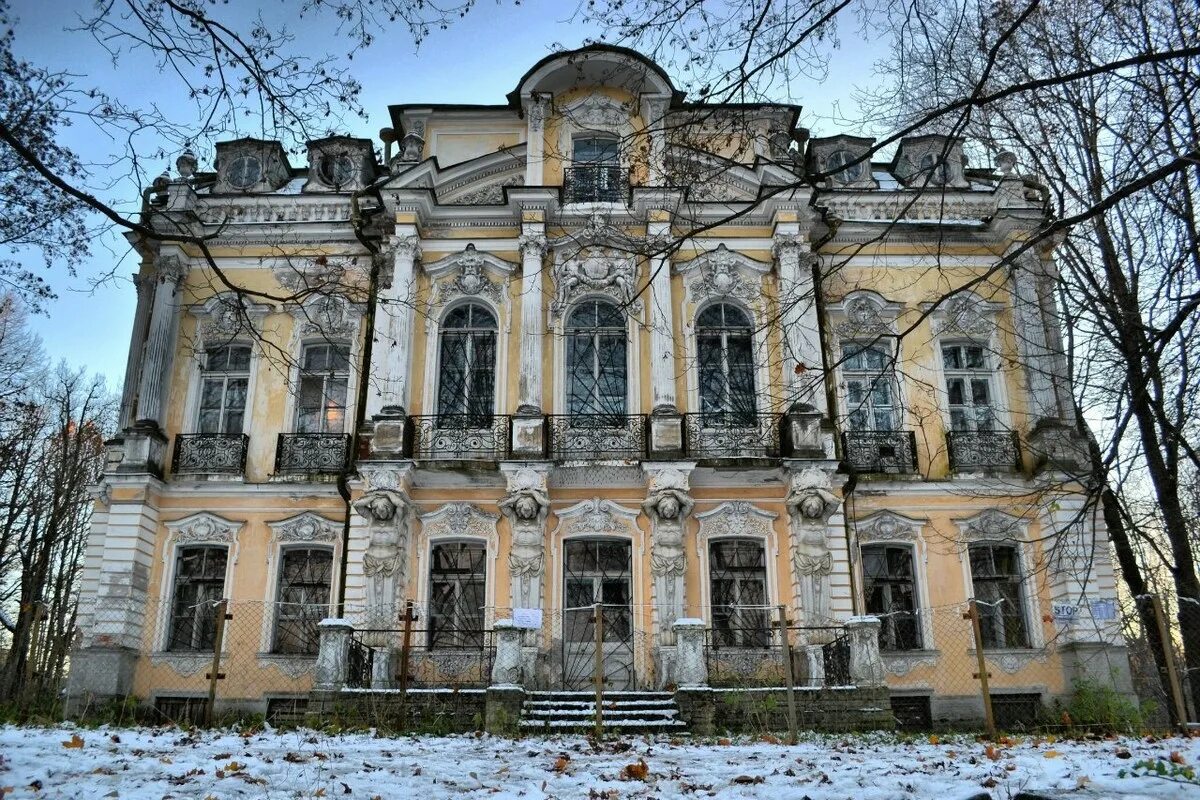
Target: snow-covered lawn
153	763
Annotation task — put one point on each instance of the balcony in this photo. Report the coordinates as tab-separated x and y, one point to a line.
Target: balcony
210	453
459	437
974	451
596	436
311	453
730	435
596	183
891	452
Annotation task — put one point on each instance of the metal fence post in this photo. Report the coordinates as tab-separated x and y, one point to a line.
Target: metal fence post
793	734
598	676
405	647
220	614
982	676
1164	636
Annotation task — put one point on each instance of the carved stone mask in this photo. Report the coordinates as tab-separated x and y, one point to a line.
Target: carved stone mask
668	507
812	506
526	508
382	508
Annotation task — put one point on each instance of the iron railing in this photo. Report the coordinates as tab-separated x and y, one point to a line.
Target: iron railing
312	453
731	435
596	183
460	437
881	451
596	436
210	453
973	450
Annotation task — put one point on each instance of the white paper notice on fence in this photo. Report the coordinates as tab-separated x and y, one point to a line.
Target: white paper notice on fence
527	618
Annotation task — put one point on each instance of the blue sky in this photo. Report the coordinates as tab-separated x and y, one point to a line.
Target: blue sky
477	60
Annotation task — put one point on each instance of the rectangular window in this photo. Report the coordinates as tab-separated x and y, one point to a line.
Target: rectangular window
996	577
738	579
305	576
890	588
324	375
199	585
224	382
457	585
870	388
969	388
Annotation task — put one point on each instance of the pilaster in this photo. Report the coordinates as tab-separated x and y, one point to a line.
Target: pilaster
803	361
137	341
170	270
391	359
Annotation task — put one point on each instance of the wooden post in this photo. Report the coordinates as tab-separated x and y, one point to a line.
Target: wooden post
793	733
598	670
220	614
1164	636
405	646
989	721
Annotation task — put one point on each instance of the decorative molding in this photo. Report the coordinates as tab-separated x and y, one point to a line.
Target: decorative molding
736	518
225	316
293	666
597	112
460	519
185	664
887	526
596	517
902	662
465	274
1013	661
306	527
965	315
490	195
605	271
864	314
724	273
993	525
204	527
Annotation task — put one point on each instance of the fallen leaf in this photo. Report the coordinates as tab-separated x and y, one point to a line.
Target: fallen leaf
724	742
992	753
560	764
747	780
1176	758
989	783
933	739
1051	754
74	743
635	772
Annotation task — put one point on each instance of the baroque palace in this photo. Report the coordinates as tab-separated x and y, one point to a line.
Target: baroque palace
597	380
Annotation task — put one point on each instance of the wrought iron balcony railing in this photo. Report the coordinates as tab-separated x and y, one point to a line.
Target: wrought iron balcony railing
596	183
312	453
881	451
459	437
731	435
978	450
596	436
210	453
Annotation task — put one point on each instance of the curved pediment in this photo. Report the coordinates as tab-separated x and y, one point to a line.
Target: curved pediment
480	181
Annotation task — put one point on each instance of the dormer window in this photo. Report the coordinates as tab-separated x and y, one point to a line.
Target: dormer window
595	174
337	169
934	167
245	171
843	167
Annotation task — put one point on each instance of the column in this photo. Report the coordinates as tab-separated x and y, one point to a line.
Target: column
137	341
803	361
535	141
160	343
1031	337
391	350
533	318
662	354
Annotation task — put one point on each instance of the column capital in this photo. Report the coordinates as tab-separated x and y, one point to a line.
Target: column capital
170	269
405	245
533	244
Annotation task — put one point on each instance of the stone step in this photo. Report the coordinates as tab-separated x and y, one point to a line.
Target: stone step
628	726
631	713
624	712
606	702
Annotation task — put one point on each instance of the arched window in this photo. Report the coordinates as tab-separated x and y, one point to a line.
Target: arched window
467	377
724	344
596	360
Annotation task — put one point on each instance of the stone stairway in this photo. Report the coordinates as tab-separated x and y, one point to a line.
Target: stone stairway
624	712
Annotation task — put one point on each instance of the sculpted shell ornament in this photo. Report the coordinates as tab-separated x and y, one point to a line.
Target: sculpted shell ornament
307	527
204	527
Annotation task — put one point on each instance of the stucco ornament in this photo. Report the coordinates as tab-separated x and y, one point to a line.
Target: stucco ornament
594	271
385	562
810	503
668	505
526	506
863	318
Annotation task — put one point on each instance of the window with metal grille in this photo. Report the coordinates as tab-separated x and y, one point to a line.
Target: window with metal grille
969	387
870	388
457	586
199	585
596	360
305	576
467	366
597	571
737	571
224	381
725	351
890	588
999	595
324	376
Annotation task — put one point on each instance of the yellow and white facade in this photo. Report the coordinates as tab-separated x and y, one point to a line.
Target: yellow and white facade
555	342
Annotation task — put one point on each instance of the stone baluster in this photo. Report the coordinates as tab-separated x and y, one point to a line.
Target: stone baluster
690	668
333	654
866	665
506	667
391	354
160	342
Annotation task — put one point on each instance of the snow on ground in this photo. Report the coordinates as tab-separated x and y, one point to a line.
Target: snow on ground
145	763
